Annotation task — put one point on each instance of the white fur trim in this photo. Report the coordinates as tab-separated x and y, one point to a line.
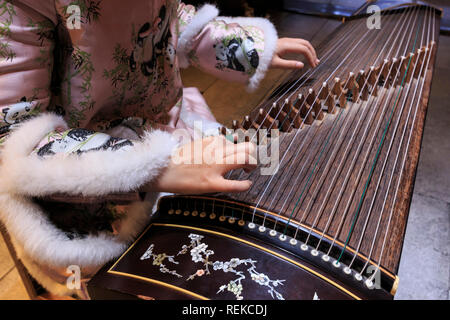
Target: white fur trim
270	44
38	242
204	15
38	238
93	173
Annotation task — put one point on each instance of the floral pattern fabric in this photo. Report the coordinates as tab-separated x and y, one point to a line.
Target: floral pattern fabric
113	68
120	70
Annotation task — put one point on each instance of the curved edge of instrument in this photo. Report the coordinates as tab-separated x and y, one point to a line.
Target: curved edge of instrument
395	285
235	219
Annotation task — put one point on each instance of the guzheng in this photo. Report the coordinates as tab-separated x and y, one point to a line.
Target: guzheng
330	223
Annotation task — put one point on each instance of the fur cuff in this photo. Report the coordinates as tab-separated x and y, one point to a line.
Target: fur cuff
95	173
270	44
39	239
204	15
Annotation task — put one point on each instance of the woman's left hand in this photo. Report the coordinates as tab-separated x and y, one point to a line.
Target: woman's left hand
293	45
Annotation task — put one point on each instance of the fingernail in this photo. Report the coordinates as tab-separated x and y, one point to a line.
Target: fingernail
317	61
299	65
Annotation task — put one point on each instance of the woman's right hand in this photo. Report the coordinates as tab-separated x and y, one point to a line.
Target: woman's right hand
204	172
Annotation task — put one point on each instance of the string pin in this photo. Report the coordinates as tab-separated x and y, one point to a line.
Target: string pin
273	233
336	264
314	252
282	237
262	229
358	277
231	220
178	212
241	223
171	212
222	218
293	242
251	225
347	270
304	247
203	214
212	216
186	213
326	258
195	213
369	283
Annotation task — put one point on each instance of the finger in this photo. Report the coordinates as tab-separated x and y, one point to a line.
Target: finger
243	147
311	48
238	161
307	53
298	47
225	185
287	64
217	148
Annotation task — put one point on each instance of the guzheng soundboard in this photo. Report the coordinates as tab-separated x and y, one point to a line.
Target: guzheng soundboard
330	223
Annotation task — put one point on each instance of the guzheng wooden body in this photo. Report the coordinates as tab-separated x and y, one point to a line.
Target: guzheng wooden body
330	223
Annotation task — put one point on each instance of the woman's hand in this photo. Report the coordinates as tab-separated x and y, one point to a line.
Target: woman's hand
192	171
292	45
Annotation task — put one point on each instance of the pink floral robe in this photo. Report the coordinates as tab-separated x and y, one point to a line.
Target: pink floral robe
86	114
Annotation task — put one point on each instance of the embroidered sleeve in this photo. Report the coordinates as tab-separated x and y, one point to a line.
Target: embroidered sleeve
41	155
78	141
234	49
26	61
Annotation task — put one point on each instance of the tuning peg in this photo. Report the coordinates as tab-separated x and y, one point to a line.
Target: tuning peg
351	82
236	125
293	114
300	101
318	113
324	91
342	98
385	69
362	85
282	117
394	70
372	80
337	87
361	79
331	104
419	62
247	124
265	120
433	48
403	67
311	97
306	114
223	131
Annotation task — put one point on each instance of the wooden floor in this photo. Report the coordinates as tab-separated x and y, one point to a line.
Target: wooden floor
11	286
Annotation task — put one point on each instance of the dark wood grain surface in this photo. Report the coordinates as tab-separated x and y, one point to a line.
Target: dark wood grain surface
316	199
